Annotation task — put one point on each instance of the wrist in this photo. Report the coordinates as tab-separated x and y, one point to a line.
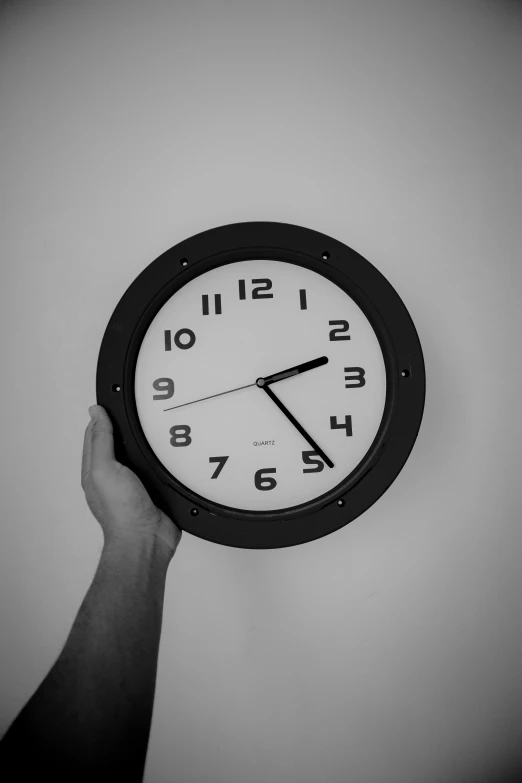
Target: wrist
128	549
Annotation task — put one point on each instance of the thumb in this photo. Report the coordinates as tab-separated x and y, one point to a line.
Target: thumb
102	439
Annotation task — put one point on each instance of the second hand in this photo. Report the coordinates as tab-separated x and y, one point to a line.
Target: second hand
263	382
210	396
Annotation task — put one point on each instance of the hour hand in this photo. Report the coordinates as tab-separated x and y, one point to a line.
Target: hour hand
292	371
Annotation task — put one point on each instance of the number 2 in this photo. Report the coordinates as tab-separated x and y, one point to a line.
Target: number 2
334	334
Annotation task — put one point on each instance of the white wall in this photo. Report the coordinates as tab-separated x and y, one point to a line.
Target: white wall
388	652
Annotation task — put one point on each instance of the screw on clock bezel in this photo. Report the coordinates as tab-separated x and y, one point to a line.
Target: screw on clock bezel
382	306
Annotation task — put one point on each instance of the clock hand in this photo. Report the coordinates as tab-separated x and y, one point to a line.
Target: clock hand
208	398
262	381
293	371
297	425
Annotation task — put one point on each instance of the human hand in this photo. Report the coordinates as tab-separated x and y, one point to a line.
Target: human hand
115	494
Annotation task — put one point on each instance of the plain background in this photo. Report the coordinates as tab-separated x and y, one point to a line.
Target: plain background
389	651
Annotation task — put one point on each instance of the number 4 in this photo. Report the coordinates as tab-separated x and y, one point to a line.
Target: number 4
334	425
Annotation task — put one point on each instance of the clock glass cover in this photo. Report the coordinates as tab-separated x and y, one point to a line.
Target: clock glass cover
217	431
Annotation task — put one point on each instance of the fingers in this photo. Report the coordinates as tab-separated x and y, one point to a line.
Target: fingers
86	456
102	440
98	443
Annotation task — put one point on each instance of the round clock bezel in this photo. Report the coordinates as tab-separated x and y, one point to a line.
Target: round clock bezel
400	345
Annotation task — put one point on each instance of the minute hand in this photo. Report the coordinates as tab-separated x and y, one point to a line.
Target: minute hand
293	371
300	429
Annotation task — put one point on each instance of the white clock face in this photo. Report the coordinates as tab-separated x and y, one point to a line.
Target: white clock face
226	329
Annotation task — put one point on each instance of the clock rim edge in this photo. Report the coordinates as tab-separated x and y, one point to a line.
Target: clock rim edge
266	238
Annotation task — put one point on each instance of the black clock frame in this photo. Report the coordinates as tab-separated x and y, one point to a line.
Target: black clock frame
405	373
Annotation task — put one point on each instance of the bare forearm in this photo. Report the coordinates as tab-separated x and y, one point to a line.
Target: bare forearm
91	715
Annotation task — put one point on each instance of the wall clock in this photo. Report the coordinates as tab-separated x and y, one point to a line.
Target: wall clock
265	382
